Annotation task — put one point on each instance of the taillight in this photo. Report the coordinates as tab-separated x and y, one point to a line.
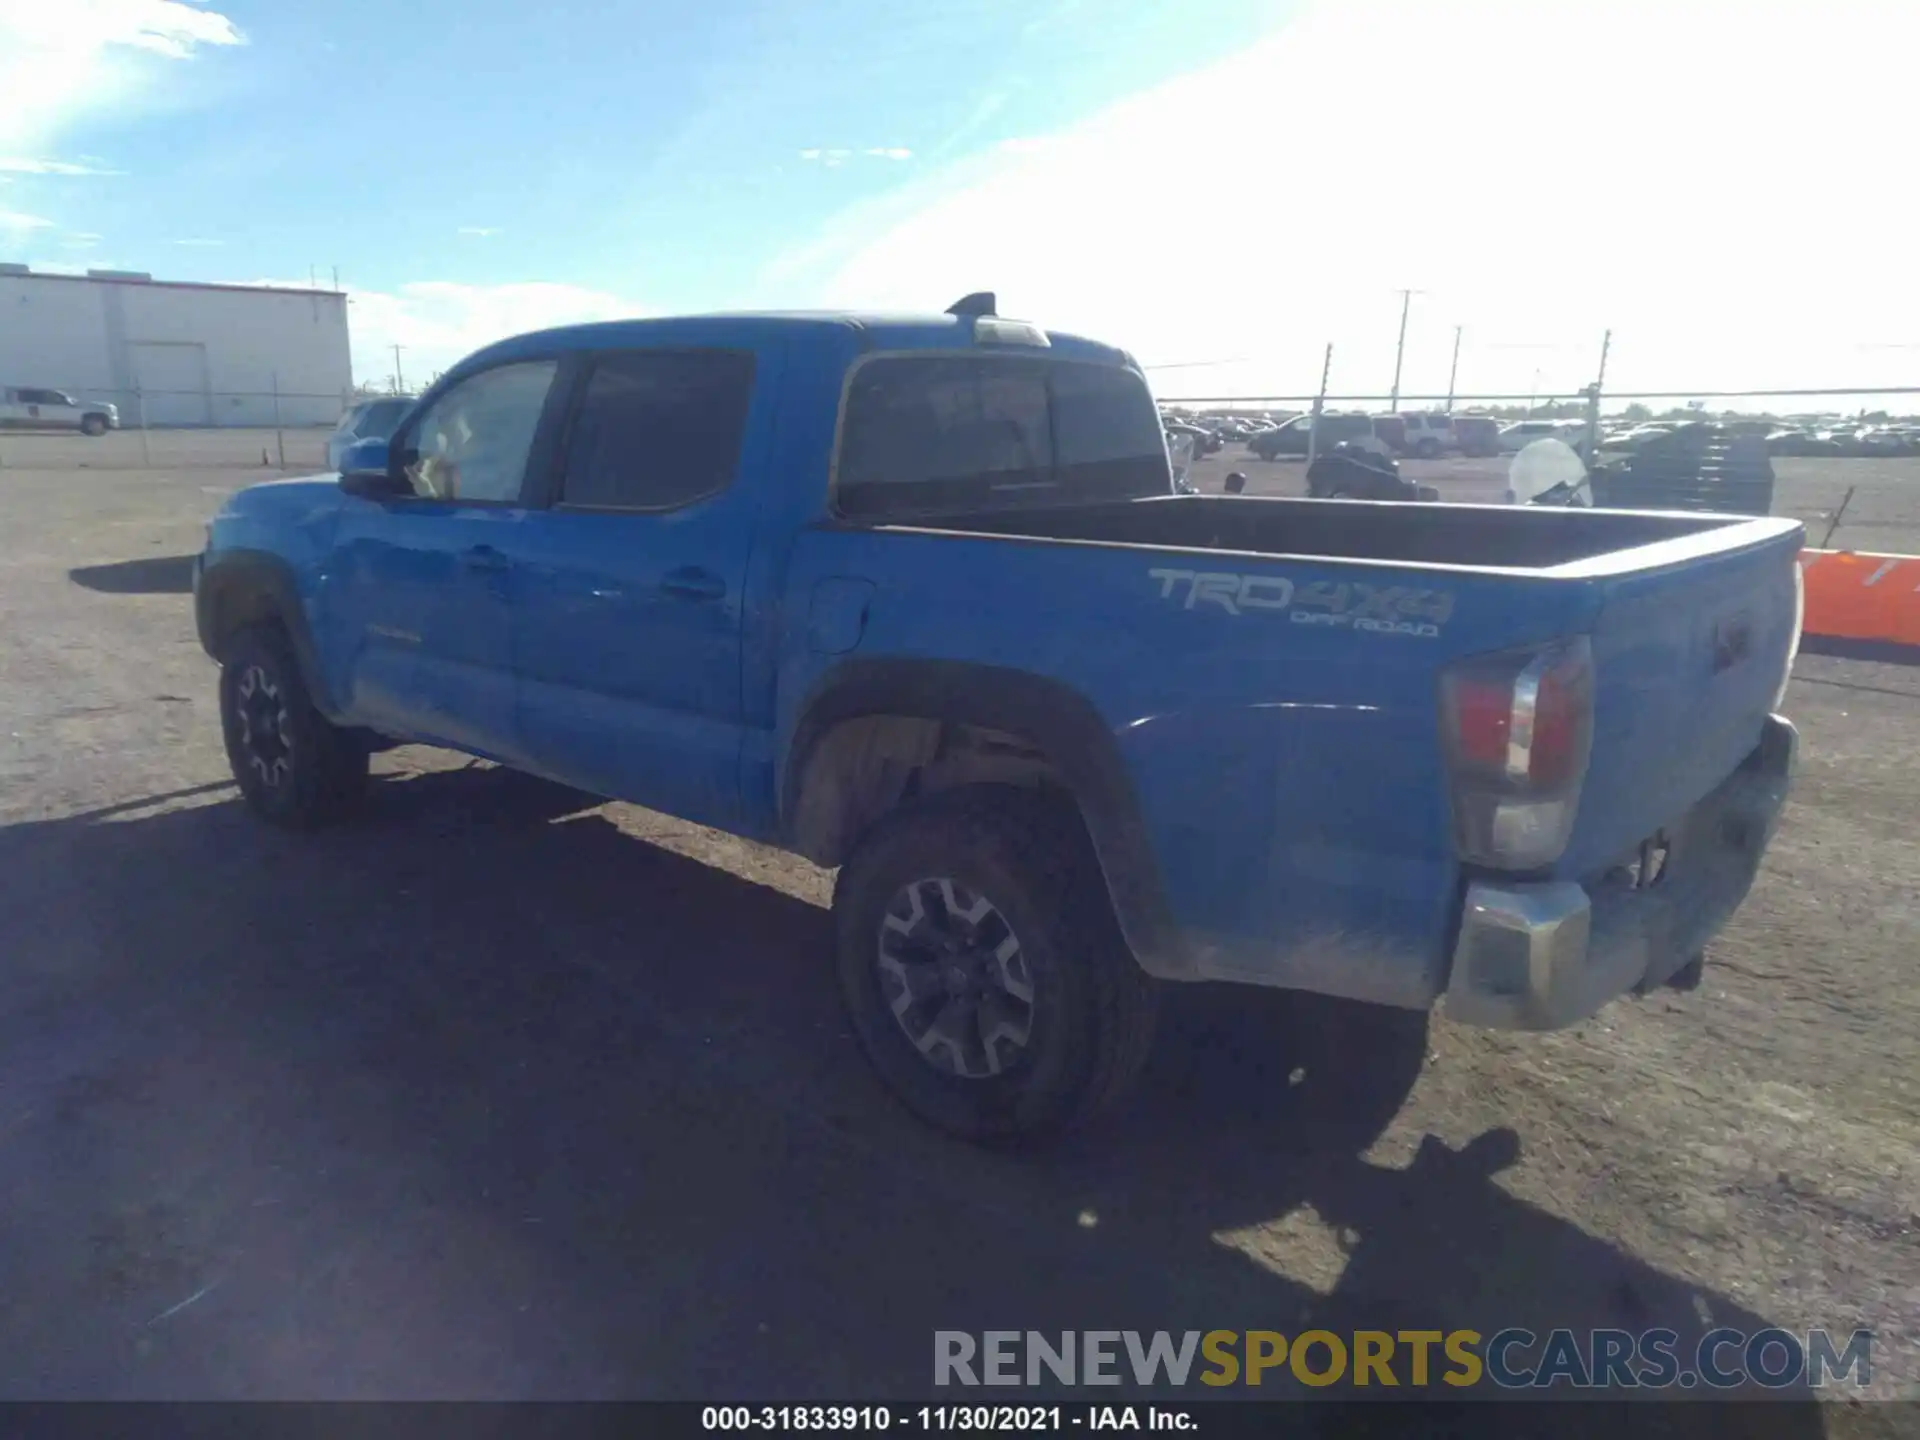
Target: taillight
1518	727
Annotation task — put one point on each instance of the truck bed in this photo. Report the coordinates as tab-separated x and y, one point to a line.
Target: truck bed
1499	537
1275	708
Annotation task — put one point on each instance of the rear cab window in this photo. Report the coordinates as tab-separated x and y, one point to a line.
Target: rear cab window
655	430
940	433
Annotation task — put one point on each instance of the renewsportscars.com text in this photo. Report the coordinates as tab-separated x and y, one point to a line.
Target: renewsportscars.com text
1721	1359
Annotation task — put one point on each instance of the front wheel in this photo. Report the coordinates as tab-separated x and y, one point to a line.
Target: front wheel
94	425
983	970
294	767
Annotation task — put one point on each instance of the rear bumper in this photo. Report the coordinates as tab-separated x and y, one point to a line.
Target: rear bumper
1544	956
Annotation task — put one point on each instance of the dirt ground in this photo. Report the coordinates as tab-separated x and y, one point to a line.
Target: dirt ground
497	1093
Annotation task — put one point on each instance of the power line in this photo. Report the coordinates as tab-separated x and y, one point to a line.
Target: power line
1200	364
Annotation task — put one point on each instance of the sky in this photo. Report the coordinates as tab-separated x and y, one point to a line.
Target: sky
1224	187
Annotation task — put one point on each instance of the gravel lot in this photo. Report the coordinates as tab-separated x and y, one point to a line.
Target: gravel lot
496	1093
304	448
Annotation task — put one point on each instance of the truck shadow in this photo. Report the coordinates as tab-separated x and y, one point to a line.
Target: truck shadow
481	1096
156	575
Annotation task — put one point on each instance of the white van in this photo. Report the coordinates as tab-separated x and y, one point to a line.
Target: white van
1429	435
1522	433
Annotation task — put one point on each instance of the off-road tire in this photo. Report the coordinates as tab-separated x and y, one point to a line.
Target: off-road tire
1092	1019
325	767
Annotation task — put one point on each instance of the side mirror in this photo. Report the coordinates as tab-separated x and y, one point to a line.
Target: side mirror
366	470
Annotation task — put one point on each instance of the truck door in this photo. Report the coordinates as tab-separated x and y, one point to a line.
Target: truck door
29	409
628	613
58	411
419	591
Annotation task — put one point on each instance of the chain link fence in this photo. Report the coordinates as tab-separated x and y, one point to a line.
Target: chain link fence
272	429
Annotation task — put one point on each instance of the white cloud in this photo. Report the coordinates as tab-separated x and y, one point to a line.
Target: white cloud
25	165
1542	171
59	61
14	222
833	158
81	240
438	322
483	232
200	243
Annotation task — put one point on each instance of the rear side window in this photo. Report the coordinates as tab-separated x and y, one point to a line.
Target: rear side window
658	429
1105	428
970	432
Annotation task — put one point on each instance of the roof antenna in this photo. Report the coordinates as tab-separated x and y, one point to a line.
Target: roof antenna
978	303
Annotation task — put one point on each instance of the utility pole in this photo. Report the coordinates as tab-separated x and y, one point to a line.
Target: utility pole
1454	373
399	380
1319	404
1400	351
1593	401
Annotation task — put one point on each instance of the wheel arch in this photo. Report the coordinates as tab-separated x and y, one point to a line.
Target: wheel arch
876	734
242	588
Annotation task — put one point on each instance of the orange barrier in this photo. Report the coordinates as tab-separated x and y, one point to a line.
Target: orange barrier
1852	595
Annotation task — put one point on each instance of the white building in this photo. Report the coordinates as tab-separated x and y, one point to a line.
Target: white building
175	353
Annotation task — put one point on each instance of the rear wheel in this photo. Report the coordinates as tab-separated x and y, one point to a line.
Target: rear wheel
95	425
294	768
983	970
1427	449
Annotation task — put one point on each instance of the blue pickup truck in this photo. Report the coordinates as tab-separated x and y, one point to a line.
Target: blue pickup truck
917	598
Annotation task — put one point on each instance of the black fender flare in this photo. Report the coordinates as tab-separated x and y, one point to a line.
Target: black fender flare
1060	722
234	588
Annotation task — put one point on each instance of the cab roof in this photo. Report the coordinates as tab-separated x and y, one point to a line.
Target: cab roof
833	330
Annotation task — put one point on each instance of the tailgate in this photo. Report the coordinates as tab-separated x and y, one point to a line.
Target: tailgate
1689	655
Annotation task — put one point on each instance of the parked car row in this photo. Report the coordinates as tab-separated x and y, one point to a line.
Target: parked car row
1872	440
1424	435
1430	434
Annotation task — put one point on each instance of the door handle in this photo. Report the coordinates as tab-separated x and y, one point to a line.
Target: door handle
484	557
693	583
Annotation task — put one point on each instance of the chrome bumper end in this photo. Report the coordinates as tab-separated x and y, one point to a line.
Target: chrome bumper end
1547	955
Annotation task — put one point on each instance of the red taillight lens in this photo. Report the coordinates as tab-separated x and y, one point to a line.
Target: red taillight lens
1559	726
1482	721
1518	728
